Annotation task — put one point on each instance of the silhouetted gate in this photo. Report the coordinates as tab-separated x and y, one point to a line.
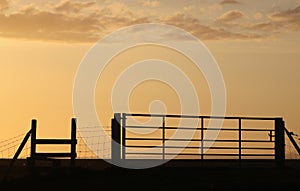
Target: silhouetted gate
157	136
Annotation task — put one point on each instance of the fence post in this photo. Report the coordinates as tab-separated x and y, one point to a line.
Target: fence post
73	141
279	142
116	138
33	141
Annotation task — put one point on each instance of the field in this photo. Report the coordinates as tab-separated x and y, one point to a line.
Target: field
175	175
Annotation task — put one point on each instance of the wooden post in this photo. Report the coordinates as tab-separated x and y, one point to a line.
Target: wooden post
279	142
73	141
16	155
33	141
116	138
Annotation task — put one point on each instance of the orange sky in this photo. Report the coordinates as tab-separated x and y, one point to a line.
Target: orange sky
255	43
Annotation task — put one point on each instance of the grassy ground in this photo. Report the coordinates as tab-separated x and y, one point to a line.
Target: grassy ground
158	178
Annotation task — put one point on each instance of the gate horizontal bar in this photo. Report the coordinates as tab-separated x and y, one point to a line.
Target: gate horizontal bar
194	117
196	128
198	147
54	154
198	154
53	141
207	140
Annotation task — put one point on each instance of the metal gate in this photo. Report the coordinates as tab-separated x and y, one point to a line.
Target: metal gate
157	136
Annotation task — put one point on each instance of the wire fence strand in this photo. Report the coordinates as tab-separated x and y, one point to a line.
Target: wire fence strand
94	142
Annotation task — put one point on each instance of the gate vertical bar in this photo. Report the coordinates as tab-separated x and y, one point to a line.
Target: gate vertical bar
202	134
279	142
33	141
73	142
163	138
123	135
240	139
116	138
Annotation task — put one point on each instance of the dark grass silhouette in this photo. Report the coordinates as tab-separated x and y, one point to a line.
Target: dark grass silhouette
225	176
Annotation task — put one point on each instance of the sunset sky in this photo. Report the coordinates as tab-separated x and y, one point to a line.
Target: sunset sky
42	43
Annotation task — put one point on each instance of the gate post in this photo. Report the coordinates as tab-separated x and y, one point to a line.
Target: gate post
33	141
279	142
73	141
116	138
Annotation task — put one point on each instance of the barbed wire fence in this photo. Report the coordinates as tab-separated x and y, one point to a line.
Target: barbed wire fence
99	145
9	147
291	152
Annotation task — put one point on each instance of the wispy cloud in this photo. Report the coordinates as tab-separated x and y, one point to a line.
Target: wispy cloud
230	16
258	15
269	27
288	15
229	2
87	21
69	6
4	4
205	32
283	21
34	24
57	24
150	3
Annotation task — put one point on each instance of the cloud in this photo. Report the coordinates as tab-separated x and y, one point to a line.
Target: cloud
258	15
289	18
116	10
211	9
4	4
69	6
279	22
265	26
86	21
289	15
150	3
118	15
57	24
188	8
230	16
205	32
48	26
229	2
